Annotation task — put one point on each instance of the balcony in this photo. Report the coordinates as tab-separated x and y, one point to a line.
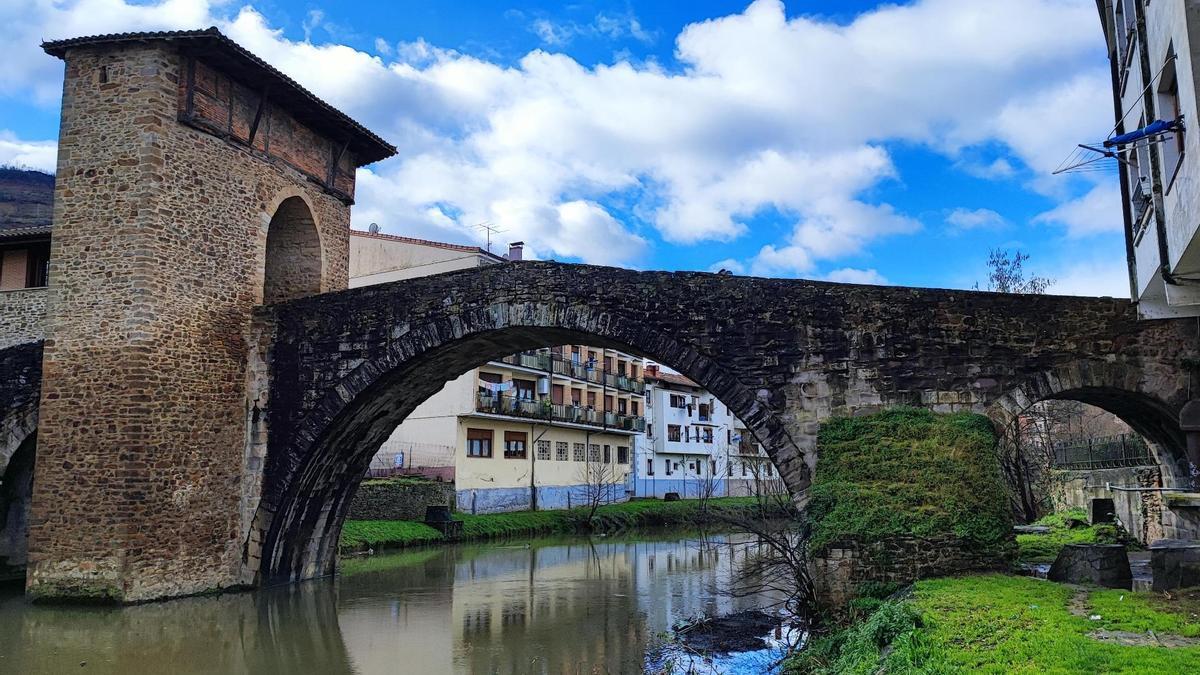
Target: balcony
561	366
544	410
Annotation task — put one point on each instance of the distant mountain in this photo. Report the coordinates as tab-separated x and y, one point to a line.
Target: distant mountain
26	198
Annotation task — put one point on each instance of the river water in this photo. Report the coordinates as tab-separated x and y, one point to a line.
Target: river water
563	605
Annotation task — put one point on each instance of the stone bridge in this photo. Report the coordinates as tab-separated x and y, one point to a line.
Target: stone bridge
190	404
346	368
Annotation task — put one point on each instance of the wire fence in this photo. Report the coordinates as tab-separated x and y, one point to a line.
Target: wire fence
413	459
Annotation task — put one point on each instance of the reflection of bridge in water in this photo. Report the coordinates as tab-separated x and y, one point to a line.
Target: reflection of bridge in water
555	606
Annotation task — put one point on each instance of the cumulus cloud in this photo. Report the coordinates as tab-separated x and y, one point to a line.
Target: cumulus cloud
850	275
761	113
41	155
1097	212
975	219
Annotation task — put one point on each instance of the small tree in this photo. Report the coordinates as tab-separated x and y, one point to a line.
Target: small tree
597	481
1006	274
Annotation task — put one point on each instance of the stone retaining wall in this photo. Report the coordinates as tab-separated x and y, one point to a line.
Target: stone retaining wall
399	499
1140	513
22	315
839	570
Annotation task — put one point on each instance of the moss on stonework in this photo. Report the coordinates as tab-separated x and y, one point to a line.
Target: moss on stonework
910	472
77	592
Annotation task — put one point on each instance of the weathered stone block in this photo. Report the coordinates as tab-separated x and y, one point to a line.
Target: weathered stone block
1104	565
1175	563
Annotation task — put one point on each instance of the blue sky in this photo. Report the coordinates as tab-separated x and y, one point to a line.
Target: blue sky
847	140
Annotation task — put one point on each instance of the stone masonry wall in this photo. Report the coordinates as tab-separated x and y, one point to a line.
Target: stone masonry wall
1139	512
399	499
158	249
783	354
839	570
22	316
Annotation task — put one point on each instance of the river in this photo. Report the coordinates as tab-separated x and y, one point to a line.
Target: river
561	605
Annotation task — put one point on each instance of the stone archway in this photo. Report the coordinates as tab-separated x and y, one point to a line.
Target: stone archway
1118	389
309	485
293	264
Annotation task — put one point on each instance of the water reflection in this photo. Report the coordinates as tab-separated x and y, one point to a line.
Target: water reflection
550	606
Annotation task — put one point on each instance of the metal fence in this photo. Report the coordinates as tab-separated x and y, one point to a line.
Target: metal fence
1104	452
413	459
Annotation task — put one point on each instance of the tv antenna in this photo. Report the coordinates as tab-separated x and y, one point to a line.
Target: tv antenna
491	229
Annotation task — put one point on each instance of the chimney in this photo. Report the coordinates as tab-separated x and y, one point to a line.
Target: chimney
515	250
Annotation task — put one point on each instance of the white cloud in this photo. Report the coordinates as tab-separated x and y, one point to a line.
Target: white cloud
730	264
41	155
610	26
1094	276
761	113
974	219
850	275
1097	212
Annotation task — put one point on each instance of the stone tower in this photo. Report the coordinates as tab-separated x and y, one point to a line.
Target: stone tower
195	182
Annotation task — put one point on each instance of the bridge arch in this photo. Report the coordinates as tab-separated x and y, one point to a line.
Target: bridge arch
1116	388
309	485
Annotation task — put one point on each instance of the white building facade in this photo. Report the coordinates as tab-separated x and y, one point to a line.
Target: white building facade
694	446
1152	48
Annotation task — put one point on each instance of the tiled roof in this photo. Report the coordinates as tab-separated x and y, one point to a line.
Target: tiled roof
672	378
237	62
425	242
16	232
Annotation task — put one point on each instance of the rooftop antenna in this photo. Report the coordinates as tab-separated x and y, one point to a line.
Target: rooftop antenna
373	228
487	226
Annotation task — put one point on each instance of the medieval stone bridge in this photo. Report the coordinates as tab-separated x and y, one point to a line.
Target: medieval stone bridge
345	368
191	401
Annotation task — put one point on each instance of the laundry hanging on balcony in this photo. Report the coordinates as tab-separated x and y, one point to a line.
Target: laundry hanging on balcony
496	387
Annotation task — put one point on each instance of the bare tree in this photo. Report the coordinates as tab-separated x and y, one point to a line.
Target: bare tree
597	481
1006	274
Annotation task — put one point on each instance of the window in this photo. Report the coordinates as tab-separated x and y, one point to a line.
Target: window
673	432
607	454
608	403
576	397
704	414
479	442
560	451
678	401
729	437
649	466
594	452
1168	109
591	399
622	454
667	464
707	435
576	355
622	406
712	467
692	467
622	367
543	450
523	389
650	430
577	452
743	463
770	470
729	469
557	394
634	408
514	445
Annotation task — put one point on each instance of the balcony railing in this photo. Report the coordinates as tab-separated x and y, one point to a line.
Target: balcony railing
577	370
1108	452
543	409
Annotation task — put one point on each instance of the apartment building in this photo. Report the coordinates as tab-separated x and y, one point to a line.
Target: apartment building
694	446
1154	99
548	429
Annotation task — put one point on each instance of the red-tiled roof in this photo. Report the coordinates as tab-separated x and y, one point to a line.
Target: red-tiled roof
425	242
240	64
672	378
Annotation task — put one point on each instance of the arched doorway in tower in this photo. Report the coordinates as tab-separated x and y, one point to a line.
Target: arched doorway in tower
16	490
293	258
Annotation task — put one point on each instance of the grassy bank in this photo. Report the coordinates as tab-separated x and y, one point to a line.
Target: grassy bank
1006	624
1045	547
361	534
910	472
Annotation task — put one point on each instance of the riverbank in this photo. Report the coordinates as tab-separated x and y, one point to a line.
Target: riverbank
360	535
995	623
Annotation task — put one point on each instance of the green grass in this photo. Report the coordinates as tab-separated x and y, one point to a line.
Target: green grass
909	471
1004	624
1045	547
360	534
